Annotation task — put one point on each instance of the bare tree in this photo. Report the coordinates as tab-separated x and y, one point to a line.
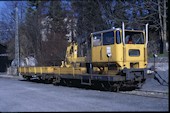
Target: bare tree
9	19
162	22
138	13
46	31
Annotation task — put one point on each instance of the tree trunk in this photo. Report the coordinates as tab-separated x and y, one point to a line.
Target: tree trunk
161	46
161	29
164	27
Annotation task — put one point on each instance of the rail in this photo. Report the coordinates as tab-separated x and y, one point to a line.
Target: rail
147	93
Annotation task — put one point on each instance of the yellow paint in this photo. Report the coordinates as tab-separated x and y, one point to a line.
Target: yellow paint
119	56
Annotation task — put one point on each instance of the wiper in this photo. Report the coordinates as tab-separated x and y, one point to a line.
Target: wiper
137	41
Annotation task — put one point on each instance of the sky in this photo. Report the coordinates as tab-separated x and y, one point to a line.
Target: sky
1	6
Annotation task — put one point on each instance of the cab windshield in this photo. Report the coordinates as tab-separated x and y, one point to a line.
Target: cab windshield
108	38
134	37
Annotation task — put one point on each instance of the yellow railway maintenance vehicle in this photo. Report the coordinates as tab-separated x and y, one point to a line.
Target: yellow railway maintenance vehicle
117	57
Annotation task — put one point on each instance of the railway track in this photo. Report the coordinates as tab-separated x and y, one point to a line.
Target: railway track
146	93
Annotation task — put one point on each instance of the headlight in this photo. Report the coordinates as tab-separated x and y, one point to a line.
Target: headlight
149	71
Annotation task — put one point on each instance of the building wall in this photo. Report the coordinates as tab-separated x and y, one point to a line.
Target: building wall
4	61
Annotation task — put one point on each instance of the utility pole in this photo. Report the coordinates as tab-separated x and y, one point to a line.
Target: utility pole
16	37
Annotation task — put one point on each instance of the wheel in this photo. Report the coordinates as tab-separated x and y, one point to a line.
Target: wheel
28	78
115	87
140	84
56	80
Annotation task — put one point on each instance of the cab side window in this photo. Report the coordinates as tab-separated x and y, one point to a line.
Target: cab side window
118	38
97	40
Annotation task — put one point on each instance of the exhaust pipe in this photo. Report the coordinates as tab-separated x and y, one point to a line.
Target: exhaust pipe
147	34
123	30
